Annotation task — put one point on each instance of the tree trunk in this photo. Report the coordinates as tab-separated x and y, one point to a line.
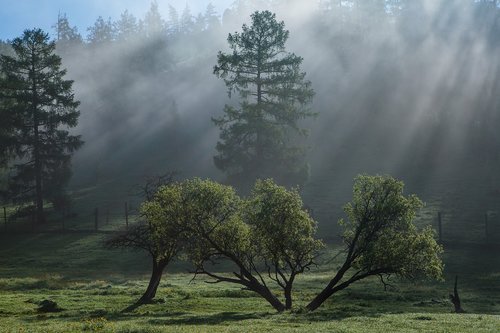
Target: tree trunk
154	282
36	147
288	297
329	289
288	291
319	299
270	297
38	179
455	298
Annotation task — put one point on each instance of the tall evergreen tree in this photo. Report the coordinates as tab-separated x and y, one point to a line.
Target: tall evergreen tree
65	33
127	27
187	23
102	32
173	20
39	104
262	137
154	25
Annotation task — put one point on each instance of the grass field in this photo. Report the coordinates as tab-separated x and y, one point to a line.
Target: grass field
93	285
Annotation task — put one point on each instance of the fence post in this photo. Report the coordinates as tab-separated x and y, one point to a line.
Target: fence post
33	219
126	215
440	228
5	217
96	219
486	226
63	216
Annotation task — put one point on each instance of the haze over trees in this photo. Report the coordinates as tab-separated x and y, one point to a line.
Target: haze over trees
397	92
38	106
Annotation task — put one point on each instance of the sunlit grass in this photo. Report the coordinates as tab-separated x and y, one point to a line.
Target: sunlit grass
93	285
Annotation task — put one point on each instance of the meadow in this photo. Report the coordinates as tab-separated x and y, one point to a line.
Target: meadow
92	285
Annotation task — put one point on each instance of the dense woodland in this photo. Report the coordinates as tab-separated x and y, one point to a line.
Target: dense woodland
406	88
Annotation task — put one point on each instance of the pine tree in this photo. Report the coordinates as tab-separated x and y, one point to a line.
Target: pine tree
39	104
154	25
102	32
127	27
65	33
262	138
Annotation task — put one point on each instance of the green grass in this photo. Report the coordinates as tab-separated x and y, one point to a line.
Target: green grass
93	286
198	307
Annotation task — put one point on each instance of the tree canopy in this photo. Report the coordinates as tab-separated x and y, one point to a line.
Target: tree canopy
269	238
380	237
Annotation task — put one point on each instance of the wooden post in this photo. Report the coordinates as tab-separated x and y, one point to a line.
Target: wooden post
96	219
440	228
486	227
33	219
5	217
63	216
126	215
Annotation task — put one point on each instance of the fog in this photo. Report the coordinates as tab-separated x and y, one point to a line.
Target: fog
407	88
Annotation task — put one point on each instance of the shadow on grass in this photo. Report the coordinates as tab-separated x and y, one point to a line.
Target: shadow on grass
208	319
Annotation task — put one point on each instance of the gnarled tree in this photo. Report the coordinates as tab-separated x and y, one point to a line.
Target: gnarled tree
381	239
282	234
219	226
161	246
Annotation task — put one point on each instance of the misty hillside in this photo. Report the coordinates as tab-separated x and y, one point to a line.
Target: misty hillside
407	88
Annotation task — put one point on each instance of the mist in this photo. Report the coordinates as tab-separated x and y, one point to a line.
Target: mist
407	88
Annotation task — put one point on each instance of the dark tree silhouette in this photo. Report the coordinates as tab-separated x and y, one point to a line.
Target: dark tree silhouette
143	237
261	138
39	103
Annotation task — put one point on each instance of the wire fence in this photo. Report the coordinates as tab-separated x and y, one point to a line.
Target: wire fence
114	216
110	216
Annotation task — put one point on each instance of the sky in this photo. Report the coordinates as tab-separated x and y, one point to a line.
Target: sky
18	15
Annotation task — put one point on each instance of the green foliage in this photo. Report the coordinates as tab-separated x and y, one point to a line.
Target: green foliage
381	239
67	36
36	102
381	233
282	231
268	234
262	138
101	32
201	212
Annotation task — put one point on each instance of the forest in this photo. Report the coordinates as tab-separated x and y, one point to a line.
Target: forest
277	165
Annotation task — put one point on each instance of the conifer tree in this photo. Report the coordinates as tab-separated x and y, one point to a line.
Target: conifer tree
39	105
261	138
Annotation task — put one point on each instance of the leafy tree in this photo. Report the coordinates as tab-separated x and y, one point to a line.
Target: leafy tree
282	234
37	101
269	238
162	246
381	239
261	138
